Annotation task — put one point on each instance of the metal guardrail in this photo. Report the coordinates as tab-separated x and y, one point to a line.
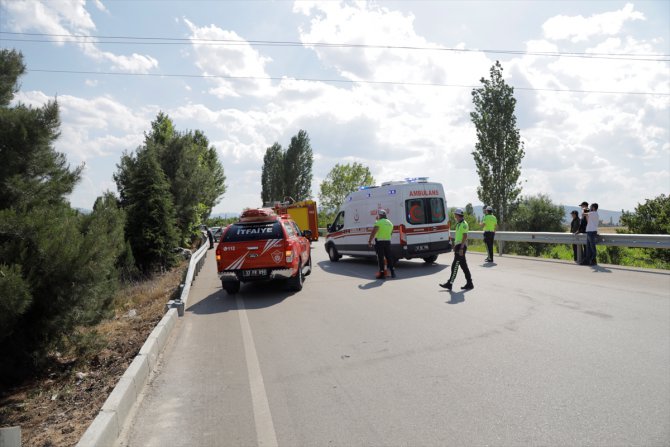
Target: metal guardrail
620	240
194	266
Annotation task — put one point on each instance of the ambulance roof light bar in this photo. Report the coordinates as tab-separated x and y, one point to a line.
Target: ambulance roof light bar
416	179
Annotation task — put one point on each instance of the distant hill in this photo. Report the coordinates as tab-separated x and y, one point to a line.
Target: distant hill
605	215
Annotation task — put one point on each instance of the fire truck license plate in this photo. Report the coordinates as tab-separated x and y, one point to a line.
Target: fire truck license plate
254	272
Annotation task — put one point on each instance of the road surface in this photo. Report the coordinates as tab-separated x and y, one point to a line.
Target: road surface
541	352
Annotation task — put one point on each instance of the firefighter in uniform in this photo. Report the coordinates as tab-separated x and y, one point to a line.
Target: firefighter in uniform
461	246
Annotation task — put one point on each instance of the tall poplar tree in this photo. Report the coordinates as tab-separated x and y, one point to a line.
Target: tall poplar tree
298	162
499	149
272	175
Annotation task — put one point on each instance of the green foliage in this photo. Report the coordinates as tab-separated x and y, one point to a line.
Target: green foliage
298	162
651	217
499	149
32	173
16	298
536	213
150	225
11	69
287	174
340	181
272	175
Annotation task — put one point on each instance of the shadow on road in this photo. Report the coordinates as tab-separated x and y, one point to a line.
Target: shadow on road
456	297
366	268
256	295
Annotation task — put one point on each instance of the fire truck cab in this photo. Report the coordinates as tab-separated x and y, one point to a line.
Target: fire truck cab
417	209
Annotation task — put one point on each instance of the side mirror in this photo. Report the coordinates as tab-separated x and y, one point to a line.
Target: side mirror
307	233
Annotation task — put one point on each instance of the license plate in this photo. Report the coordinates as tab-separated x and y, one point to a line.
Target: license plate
254	272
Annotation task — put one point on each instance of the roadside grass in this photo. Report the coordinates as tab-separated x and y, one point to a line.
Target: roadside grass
55	408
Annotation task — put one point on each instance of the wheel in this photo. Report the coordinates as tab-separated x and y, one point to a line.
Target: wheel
333	254
295	283
309	264
232	287
430	259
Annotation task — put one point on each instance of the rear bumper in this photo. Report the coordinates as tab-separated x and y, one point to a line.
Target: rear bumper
238	275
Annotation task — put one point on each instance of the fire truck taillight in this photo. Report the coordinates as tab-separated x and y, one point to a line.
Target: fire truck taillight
218	257
289	255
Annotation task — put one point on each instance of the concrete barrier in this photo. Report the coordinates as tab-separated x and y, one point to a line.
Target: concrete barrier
10	437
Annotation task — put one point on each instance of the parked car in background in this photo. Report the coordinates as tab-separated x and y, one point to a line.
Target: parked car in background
216	233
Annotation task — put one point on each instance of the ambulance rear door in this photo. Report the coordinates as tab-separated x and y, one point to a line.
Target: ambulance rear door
426	220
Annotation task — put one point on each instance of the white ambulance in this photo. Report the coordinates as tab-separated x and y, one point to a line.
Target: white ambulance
416	207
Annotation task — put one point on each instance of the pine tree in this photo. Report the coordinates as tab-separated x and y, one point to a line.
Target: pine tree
150	225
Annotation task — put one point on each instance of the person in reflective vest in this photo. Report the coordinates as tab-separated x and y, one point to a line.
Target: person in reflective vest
461	246
381	234
490	224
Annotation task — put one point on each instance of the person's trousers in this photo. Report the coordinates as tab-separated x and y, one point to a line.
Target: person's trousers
591	253
460	261
383	249
577	252
488	240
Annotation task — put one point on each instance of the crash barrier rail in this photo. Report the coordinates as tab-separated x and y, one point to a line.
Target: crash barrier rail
107	425
194	266
611	239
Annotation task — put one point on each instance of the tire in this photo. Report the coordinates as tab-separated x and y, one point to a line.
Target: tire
333	254
231	287
430	259
309	263
295	283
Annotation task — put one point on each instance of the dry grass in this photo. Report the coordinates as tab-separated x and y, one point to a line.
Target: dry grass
56	409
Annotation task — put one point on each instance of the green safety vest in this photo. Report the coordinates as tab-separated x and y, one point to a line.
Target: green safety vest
384	230
461	229
490	222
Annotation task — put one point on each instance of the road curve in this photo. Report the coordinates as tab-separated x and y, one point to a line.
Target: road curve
541	352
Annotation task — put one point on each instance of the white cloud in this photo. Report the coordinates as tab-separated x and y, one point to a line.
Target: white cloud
579	28
236	59
62	18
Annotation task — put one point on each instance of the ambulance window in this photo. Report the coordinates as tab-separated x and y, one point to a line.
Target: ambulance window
339	222
415	211
436	206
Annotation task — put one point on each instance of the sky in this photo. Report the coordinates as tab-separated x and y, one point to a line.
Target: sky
387	84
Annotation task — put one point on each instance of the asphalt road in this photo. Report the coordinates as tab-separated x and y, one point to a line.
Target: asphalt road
541	352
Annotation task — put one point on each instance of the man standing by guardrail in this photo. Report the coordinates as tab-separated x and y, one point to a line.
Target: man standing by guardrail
592	220
490	224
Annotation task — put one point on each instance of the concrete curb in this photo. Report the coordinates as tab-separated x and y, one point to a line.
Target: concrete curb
107	425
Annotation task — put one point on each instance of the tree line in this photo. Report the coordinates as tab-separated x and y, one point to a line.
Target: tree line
61	268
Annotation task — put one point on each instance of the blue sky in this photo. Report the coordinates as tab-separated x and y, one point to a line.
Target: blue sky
403	112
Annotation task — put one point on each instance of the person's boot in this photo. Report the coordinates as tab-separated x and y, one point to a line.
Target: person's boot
446	285
468	286
380	275
392	273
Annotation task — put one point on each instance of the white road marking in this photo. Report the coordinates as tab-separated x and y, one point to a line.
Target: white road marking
265	429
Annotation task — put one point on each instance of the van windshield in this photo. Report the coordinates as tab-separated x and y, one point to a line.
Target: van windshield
257	231
426	210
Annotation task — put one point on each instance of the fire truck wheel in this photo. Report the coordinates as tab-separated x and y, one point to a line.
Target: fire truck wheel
309	265
333	254
430	259
232	287
295	282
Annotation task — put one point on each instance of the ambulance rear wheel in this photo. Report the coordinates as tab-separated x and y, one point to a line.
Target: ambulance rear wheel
232	287
333	254
430	259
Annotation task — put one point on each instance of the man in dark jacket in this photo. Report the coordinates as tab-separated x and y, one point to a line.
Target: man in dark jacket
574	229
